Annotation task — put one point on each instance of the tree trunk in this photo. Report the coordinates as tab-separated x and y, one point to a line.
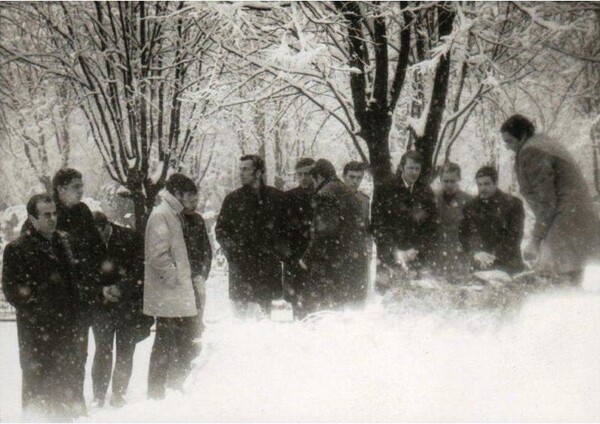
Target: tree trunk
379	152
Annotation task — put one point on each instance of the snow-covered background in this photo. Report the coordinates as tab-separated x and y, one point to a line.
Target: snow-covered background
538	363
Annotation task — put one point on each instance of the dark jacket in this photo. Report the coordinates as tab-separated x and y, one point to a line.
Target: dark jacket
197	244
566	223
402	220
252	232
122	264
495	226
450	257
78	222
298	216
38	278
336	254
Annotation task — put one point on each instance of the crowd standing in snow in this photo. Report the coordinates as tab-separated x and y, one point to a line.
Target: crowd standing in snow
71	270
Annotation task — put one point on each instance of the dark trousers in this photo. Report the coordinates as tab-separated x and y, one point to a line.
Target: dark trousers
106	328
176	344
81	331
45	351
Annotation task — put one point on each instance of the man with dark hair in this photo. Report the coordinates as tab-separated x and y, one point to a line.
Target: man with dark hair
169	287
120	314
492	226
566	235
335	256
38	280
353	175
251	230
404	221
451	261
75	218
298	217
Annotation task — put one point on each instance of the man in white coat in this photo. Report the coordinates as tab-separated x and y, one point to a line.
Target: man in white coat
169	291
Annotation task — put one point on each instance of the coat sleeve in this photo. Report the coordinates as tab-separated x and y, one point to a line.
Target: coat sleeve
540	174
17	290
223	229
516	222
158	252
132	283
430	230
207	250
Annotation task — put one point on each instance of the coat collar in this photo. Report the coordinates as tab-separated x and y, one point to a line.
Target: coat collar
494	199
172	202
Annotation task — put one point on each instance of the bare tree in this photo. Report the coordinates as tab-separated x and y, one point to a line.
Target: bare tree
132	62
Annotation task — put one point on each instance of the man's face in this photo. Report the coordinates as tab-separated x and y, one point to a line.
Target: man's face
70	194
486	187
511	141
411	171
189	200
353	179
303	177
247	173
45	223
450	182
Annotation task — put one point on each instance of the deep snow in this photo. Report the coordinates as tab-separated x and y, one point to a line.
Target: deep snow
541	362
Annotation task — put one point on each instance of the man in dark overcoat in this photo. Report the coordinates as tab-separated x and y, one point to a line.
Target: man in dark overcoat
404	221
298	219
251	229
75	218
38	280
336	254
566	235
119	316
491	230
353	174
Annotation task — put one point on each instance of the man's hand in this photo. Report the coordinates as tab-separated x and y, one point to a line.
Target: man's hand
302	265
404	257
485	260
532	251
111	293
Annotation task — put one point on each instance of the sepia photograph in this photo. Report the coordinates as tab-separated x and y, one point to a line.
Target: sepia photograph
299	211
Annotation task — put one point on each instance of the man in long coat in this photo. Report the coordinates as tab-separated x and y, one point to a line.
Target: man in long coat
75	218
566	235
251	230
120	314
169	289
404	221
299	216
336	254
491	230
353	174
450	261
38	280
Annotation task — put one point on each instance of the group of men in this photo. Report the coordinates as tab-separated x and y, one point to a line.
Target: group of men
71	270
307	245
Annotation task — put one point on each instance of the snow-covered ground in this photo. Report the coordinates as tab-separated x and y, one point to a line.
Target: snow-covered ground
541	363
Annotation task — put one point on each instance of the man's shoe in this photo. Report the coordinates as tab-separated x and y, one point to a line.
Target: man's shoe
117	401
